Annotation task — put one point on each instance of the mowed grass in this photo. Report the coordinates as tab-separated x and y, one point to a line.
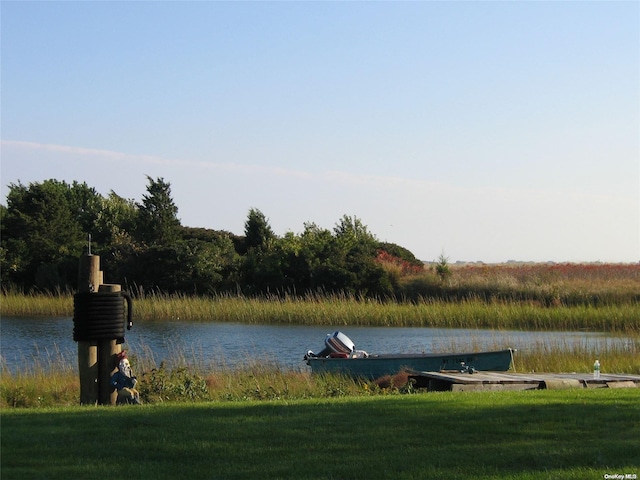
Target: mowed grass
574	434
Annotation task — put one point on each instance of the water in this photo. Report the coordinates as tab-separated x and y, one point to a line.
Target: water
25	342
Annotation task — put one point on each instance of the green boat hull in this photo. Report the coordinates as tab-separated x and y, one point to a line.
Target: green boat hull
376	366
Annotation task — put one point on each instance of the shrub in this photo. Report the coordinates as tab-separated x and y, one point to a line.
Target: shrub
161	384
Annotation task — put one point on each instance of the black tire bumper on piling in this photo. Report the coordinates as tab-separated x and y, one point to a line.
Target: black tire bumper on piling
101	316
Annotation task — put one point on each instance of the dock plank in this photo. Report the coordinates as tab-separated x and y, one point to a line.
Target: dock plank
458	381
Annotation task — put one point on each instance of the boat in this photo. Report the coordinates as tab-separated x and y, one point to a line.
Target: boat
340	356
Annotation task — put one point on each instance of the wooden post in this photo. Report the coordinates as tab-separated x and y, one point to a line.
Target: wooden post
88	281
108	350
96	358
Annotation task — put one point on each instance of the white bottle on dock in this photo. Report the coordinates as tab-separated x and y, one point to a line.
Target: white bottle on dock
596	369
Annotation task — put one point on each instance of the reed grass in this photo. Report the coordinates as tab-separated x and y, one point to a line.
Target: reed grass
48	379
183	378
19	304
548	284
350	311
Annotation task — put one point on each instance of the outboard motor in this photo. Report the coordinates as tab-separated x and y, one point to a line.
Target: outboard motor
335	343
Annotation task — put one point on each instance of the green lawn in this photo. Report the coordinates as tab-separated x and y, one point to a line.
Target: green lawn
571	434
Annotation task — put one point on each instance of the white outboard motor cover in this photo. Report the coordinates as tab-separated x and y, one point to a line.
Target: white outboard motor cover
338	342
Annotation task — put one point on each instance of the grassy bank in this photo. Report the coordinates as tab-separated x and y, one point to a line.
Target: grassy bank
576	434
53	380
340	310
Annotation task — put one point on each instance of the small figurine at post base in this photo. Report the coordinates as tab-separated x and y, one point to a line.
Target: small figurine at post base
125	382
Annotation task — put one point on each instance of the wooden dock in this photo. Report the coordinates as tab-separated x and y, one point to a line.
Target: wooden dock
456	381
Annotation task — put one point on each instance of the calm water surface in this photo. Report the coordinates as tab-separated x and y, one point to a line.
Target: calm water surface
25	342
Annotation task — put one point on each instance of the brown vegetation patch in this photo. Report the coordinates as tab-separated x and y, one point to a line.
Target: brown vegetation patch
398	380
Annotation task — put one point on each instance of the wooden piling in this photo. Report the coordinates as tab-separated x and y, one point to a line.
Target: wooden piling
108	350
96	358
89	277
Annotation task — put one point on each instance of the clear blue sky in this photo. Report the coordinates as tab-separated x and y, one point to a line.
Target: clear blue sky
487	131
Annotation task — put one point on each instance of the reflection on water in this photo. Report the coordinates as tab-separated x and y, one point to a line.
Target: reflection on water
28	341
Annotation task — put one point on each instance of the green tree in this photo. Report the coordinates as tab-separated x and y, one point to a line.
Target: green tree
158	222
85	204
442	268
261	269
214	264
41	235
321	257
342	262
257	231
5	265
116	220
114	235
351	229
358	251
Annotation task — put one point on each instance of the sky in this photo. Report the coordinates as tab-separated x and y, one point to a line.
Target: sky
481	131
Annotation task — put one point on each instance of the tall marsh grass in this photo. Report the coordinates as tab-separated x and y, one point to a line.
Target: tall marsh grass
55	382
546	284
13	303
48	379
349	311
561	357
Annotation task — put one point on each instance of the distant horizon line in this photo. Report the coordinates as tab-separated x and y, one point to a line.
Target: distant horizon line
533	262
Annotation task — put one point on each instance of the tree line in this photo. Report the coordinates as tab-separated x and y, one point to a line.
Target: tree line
143	246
